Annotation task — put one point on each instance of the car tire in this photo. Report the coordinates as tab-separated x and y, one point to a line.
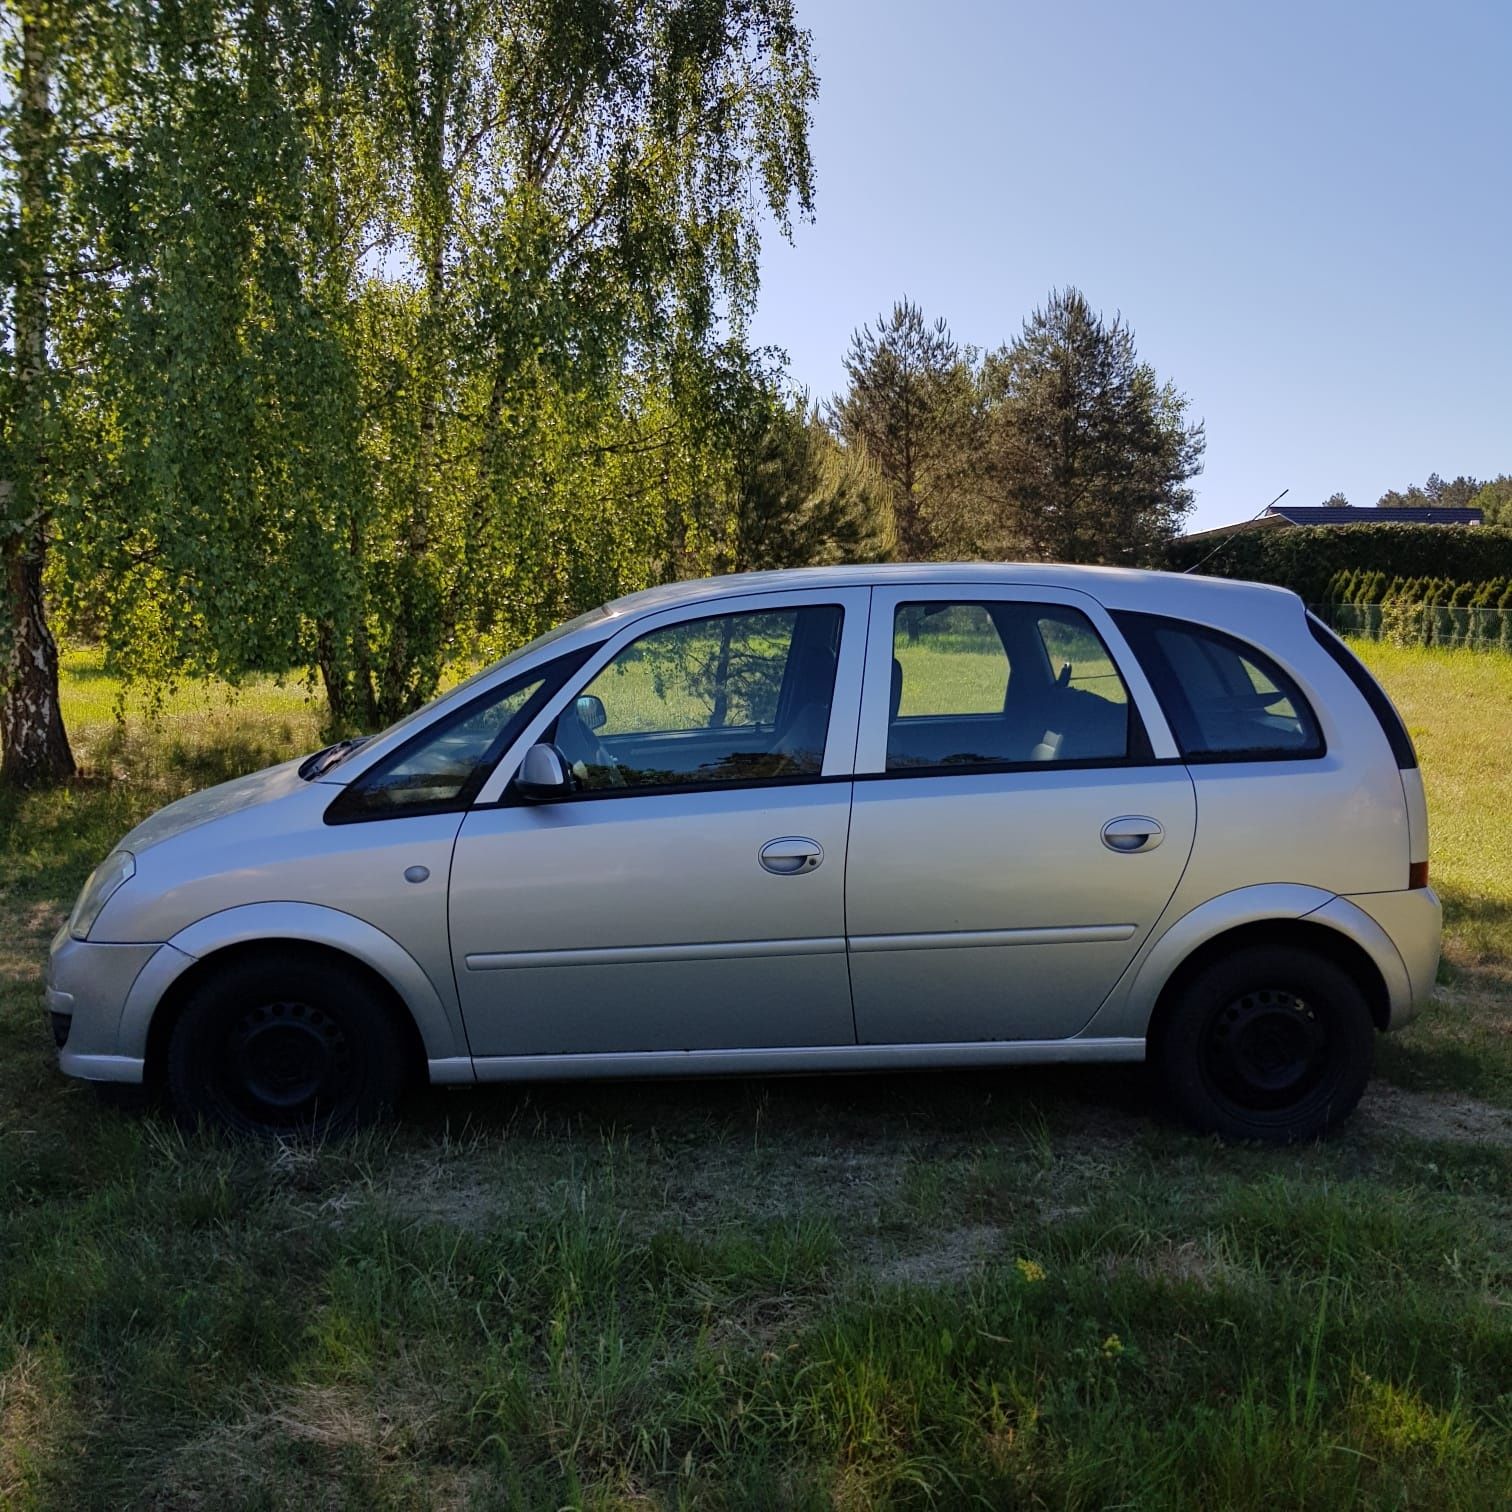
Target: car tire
285	1043
1272	1043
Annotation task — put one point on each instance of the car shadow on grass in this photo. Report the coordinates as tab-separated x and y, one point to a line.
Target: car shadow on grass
837	1105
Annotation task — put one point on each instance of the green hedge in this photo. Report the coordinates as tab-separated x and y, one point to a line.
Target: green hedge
1306	558
1357	587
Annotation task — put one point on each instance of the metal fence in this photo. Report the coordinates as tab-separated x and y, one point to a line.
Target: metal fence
1478	629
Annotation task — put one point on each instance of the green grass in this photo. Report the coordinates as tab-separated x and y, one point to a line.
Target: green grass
986	1290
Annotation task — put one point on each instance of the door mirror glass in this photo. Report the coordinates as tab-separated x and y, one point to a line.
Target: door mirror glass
543	775
591	712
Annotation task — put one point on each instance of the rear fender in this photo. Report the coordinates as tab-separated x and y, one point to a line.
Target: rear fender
1126	1011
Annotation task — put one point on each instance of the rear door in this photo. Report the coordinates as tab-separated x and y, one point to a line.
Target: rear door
1020	817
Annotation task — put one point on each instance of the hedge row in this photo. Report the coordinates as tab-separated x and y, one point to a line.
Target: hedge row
1306	558
1356	587
1405	622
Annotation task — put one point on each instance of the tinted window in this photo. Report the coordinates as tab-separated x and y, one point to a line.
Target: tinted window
1226	700
988	683
730	698
1372	692
1077	654
443	766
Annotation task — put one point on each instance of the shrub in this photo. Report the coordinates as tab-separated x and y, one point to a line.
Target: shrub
1307	558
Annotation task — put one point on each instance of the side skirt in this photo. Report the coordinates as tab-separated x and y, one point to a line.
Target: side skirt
806	1059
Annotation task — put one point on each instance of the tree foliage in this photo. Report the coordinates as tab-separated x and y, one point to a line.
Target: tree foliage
1494	500
1436	493
801	497
415	326
911	408
1087	455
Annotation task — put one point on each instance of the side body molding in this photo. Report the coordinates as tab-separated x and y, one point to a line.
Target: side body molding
1126	1010
440	1030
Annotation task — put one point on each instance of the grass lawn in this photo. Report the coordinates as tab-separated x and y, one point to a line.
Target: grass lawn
985	1290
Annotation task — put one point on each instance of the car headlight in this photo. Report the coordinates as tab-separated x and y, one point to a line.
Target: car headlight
118	867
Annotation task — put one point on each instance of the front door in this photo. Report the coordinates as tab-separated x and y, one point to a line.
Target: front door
1016	839
690	894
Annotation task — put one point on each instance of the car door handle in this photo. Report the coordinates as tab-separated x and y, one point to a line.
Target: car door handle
791	856
1131	833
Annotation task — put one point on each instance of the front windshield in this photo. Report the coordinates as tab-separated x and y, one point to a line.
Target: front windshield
578	622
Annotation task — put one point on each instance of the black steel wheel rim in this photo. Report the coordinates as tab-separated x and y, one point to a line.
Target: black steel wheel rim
288	1063
1266	1050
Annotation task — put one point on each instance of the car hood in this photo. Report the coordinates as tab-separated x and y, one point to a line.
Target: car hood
213	803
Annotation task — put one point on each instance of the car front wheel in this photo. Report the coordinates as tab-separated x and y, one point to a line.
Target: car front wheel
1272	1043
285	1043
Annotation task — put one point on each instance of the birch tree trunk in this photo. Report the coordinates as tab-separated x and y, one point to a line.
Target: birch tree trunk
33	743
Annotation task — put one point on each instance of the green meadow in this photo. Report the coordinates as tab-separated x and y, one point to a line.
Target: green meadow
1017	1289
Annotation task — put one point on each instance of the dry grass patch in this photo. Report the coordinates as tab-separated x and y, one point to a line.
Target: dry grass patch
1436	1116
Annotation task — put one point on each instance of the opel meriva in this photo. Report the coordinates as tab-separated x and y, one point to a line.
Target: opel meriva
852	819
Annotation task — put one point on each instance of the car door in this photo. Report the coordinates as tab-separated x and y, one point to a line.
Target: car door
1020	819
690	894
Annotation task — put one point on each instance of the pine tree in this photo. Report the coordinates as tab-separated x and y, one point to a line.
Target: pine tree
1088	454
802	499
911	408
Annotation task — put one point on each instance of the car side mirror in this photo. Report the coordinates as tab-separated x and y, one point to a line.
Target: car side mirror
544	775
591	712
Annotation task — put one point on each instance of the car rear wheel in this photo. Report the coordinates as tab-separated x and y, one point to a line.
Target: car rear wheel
1272	1043
285	1043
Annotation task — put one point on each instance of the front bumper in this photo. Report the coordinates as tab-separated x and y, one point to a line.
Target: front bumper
87	988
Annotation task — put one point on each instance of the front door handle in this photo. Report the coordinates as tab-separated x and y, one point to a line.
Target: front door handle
1132	833
791	856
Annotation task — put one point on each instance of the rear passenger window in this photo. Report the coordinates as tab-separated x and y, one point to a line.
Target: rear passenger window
1227	701
1002	684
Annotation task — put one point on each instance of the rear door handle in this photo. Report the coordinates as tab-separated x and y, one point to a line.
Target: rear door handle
1132	833
791	856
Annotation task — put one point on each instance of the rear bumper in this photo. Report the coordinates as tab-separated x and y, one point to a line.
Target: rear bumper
1414	922
87	988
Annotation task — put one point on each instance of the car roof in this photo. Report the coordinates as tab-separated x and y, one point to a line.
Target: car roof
1115	587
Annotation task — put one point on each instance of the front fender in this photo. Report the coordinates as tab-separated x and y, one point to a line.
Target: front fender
1126	1010
445	1042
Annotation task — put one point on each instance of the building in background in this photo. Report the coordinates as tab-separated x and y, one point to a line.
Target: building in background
1284	516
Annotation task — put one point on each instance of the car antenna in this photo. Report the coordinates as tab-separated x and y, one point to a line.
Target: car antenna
1224	542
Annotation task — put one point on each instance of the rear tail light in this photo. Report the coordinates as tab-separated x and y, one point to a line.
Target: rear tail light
1417	874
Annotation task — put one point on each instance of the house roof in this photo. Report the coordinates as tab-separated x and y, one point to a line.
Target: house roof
1349	514
1279	516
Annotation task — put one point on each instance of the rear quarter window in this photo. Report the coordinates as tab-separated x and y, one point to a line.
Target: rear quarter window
1226	700
1371	691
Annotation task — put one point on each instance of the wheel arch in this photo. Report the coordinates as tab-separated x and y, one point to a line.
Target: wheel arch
1304	933
432	1028
171	1004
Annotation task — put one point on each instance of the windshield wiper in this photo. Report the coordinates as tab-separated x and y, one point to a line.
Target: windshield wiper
322	761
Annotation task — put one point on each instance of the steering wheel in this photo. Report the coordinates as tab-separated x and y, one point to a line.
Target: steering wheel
582	748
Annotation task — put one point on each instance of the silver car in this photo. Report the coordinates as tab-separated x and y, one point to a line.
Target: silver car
854	819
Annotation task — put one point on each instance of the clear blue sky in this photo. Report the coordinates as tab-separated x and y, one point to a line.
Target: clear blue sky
1303	210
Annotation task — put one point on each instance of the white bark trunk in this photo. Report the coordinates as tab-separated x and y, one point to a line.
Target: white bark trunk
33	743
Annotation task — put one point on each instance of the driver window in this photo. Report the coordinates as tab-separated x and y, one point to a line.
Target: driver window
728	698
